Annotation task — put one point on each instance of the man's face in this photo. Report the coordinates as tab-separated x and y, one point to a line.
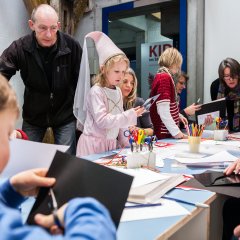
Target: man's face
45	27
181	84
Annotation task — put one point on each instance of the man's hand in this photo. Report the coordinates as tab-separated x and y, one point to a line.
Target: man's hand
27	183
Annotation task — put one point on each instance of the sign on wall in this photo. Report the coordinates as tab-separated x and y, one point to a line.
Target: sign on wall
150	53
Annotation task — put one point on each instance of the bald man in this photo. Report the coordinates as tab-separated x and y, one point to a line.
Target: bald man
49	62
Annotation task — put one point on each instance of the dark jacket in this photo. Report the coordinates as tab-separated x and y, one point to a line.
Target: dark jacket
143	121
229	103
44	105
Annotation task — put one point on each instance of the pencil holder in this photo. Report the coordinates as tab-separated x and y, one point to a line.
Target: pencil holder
194	143
220	134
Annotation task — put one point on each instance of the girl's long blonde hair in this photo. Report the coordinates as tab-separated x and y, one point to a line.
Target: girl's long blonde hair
101	76
131	98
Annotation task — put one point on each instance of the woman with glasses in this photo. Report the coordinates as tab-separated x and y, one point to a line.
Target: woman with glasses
227	85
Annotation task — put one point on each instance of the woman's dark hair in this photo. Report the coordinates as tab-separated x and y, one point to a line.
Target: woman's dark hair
232	64
183	74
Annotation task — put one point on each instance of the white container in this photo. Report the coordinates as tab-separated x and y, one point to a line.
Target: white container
140	159
220	135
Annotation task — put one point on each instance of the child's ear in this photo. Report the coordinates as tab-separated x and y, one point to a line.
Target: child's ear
102	69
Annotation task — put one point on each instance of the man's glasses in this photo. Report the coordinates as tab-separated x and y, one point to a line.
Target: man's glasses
43	28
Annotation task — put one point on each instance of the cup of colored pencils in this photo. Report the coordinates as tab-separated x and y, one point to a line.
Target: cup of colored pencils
194	132
221	131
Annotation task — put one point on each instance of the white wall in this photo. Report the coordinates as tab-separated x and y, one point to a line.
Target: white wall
222	37
13	25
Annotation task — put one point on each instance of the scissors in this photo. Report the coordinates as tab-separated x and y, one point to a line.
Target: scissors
135	135
55	209
127	133
148	103
140	135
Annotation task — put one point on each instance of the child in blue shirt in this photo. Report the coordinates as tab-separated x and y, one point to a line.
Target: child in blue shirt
82	218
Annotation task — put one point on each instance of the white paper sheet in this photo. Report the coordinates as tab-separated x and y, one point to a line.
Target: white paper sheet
219	157
143	176
202	117
167	209
167	152
226	143
189	155
26	155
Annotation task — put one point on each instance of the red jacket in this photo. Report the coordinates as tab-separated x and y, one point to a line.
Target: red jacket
164	85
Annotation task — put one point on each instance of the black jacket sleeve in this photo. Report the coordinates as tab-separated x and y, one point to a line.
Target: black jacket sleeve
144	121
9	61
214	89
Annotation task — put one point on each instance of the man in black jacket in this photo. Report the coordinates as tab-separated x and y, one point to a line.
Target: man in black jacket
48	61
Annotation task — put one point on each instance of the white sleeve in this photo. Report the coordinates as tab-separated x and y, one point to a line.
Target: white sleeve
163	109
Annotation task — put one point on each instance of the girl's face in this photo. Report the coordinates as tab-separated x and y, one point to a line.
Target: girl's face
115	74
230	82
127	85
7	119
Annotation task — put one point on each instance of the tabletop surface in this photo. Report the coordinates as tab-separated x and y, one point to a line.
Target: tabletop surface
151	228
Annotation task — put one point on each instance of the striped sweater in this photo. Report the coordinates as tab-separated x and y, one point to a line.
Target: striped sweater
163	84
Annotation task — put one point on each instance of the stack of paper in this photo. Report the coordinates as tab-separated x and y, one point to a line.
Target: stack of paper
220	157
148	186
149	193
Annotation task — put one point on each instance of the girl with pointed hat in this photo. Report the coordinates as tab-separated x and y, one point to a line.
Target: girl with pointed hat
100	109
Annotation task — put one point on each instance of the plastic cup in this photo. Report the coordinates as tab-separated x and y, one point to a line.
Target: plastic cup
220	135
194	143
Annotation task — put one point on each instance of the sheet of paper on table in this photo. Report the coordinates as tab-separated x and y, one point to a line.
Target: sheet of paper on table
219	157
167	209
